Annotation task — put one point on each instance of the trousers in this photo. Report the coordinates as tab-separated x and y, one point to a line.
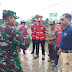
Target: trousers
66	62
42	46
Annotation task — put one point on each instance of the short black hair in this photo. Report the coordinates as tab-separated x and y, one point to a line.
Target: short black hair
23	22
67	15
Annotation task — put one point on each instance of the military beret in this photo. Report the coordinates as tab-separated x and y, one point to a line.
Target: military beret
9	13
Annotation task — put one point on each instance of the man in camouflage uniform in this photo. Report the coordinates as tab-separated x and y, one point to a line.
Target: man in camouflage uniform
10	39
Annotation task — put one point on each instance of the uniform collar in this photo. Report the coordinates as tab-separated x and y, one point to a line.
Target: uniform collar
66	27
8	24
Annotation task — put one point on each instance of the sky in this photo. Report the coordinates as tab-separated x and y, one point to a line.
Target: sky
25	9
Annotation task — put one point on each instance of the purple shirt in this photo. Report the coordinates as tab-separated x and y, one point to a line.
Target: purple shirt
23	30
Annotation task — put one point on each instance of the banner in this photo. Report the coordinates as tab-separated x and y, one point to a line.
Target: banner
53	14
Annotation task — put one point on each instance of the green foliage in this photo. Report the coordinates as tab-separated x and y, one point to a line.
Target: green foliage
35	17
44	22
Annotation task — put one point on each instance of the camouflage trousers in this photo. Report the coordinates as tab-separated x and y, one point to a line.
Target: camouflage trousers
66	62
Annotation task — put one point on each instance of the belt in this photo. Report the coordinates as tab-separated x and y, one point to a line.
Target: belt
67	51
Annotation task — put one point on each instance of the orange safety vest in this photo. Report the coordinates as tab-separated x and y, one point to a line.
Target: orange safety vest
40	32
33	29
59	32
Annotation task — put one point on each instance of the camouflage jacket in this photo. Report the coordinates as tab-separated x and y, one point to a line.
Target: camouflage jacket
10	40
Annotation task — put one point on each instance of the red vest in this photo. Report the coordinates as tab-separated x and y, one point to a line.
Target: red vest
33	29
59	32
40	32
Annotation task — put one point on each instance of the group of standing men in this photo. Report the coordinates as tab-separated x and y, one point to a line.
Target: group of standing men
38	36
59	41
11	39
63	44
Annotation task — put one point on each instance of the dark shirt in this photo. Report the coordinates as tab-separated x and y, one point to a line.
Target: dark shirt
66	38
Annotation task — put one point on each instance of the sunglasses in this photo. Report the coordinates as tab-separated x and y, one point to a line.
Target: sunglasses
59	23
38	21
62	19
51	24
34	21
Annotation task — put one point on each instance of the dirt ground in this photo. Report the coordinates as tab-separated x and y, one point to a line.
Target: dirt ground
29	64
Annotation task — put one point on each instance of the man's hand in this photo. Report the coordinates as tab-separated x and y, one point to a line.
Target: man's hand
51	38
59	51
49	42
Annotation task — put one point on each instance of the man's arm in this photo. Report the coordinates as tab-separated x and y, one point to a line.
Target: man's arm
44	30
47	36
54	37
14	37
59	51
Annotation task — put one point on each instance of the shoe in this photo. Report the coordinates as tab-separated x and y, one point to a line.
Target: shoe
43	54
36	56
43	57
52	61
54	65
49	60
48	54
24	52
32	52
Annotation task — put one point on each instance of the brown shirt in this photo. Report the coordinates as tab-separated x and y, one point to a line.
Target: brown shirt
51	34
